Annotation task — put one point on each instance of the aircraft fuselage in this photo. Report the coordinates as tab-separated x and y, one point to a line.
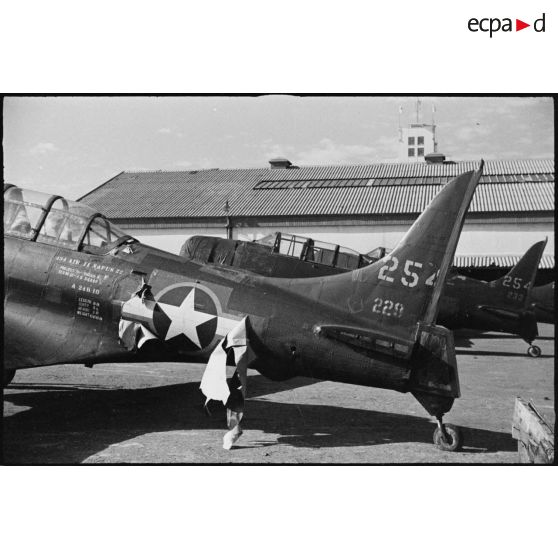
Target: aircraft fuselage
472	304
65	306
466	303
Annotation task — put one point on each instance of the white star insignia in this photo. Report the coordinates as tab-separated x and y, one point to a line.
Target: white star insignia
185	319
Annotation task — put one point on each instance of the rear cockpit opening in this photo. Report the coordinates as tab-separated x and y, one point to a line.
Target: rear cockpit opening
51	219
317	251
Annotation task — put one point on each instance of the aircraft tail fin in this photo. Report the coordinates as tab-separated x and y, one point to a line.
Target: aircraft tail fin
404	287
519	280
394	302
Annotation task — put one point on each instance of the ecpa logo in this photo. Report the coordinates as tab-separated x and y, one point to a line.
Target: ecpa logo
494	24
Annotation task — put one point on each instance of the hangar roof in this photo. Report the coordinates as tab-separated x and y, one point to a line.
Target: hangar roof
547	261
376	189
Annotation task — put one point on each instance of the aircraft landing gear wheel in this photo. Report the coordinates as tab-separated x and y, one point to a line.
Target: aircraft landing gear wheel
448	437
8	377
534	351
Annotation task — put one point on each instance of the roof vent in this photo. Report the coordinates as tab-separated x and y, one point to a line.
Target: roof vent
280	163
432	158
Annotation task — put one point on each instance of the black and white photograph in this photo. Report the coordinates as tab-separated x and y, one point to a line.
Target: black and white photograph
278	279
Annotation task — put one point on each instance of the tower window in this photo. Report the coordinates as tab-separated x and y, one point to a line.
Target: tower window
420	140
411	151
420	151
411	140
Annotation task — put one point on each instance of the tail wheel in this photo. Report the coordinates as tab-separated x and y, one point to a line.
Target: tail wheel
451	441
8	376
534	351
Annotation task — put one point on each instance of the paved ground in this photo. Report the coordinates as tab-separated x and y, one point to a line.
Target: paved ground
153	413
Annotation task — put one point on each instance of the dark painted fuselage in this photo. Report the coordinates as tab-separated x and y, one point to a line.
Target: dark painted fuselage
473	304
466	303
78	290
542	303
64	306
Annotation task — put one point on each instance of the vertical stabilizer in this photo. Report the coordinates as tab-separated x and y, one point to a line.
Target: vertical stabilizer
518	282
404	287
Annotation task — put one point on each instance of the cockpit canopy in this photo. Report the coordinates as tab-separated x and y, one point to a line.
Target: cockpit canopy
308	249
54	220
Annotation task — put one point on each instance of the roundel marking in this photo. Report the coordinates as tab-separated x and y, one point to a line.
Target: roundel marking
186	316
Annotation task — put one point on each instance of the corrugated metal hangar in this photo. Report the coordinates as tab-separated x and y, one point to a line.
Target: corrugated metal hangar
360	207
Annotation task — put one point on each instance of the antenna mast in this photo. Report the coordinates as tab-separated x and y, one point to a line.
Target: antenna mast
434	128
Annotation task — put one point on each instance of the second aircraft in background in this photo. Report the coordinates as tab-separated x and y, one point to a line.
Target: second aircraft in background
509	304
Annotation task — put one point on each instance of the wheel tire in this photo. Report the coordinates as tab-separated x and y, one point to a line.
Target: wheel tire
455	438
8	377
534	351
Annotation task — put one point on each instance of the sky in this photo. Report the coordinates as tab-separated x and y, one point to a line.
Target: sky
70	145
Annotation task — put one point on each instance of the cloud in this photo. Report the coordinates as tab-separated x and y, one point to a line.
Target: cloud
42	148
138	169
329	152
273	150
511	105
166	131
197	164
472	133
182	164
524	140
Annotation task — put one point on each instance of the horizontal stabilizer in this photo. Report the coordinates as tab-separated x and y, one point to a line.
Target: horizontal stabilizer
367	340
499	312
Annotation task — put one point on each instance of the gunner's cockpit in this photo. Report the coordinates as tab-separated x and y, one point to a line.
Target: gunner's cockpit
52	219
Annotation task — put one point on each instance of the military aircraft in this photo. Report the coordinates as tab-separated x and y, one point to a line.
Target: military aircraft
79	290
502	305
541	302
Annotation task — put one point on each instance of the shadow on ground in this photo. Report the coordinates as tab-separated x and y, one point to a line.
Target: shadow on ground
70	424
467	338
500	353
